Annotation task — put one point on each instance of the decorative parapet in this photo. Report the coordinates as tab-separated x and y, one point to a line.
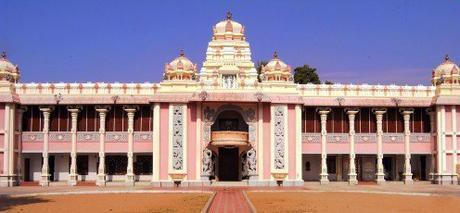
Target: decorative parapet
116	137
311	137
366	138
32	136
366	90
60	136
420	138
337	137
143	136
393	138
87	136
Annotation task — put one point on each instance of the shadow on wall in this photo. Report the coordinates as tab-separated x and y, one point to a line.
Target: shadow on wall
7	202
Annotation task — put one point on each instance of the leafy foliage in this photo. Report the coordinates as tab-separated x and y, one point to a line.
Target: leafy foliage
306	74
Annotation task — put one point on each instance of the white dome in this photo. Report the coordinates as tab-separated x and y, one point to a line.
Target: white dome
181	68
446	73
276	70
8	71
447	67
228	29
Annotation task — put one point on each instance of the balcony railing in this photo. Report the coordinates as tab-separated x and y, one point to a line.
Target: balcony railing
229	138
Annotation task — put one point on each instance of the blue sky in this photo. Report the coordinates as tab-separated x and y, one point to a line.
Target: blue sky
130	41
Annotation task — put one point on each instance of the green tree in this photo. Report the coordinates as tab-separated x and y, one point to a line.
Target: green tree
306	74
259	65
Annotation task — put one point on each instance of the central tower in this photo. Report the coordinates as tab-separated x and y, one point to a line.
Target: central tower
228	61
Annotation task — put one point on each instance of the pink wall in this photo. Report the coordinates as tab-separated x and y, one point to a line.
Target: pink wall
164	137
449	162
448	120
143	147
365	148
420	148
32	147
311	148
191	142
337	148
2	116
58	147
393	148
267	138
291	141
116	147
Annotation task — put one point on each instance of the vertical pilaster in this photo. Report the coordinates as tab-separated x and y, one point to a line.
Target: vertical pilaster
45	176
454	144
324	175
156	145
407	155
432	115
199	145
73	176
260	144
130	168
8	178
380	173
298	144
101	176
352	164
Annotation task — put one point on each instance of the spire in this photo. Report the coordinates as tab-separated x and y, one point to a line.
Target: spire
181	52
275	54
446	58
229	15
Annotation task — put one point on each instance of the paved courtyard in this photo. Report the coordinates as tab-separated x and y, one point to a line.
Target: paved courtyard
312	197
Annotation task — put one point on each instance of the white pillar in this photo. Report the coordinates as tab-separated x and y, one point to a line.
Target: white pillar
407	155
73	176
380	173
324	175
298	144
260	144
101	176
156	145
432	115
454	144
130	167
8	178
45	176
352	170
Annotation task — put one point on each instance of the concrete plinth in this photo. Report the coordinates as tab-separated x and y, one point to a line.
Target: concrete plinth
352	179
324	179
45	180
408	179
9	181
73	179
380	178
130	180
101	180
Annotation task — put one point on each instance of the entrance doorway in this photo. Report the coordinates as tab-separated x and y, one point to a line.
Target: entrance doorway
229	164
51	168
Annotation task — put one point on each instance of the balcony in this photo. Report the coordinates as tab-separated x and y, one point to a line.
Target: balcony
229	138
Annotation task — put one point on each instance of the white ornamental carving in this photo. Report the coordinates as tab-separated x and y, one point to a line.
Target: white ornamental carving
178	138
208	164
279	138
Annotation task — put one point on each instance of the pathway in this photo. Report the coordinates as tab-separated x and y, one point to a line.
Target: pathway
229	200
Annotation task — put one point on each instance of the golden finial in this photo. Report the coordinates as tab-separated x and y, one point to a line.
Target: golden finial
181	52
446	58
3	55
275	54
229	15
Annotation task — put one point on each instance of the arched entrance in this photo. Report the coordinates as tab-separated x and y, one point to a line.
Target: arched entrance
229	140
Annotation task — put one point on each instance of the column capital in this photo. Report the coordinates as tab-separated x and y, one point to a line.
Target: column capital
379	111
323	110
46	108
103	108
74	108
351	111
130	108
406	111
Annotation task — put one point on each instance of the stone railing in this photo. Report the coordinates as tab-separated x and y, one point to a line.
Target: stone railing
420	137
337	137
89	88
229	138
366	138
366	90
393	138
311	137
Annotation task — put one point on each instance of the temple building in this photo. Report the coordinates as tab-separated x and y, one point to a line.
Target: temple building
225	122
